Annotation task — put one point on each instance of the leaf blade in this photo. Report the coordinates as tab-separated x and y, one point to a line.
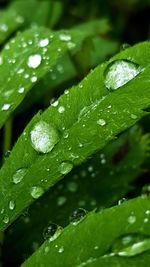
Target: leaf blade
79	144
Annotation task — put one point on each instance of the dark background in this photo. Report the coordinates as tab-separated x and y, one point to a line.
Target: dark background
130	19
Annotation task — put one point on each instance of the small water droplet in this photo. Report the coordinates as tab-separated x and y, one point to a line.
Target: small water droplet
101	122
33	79
120	201
61	109
5	106
77	216
52	231
2	211
71	45
119	72
66	134
61	249
147	212
46	250
21	90
20	71
65	167
6	219
134	117
44	137
146	220
3	27
124	46
131	219
19	19
43	42
36	191
64	37
19	175
34	61
11	204
55	104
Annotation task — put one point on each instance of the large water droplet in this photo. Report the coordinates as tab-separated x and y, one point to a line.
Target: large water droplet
131	245
52	231
119	72
44	137
19	175
65	167
36	191
34	61
77	216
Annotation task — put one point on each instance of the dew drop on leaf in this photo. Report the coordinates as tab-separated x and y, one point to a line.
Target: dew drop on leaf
124	46
44	137
134	117
119	72
64	37
36	191
101	122
121	201
34	61
131	219
55	103
33	79
21	90
5	107
11	204
61	109
19	175
6	219
61	250
65	167
77	216
52	231
43	42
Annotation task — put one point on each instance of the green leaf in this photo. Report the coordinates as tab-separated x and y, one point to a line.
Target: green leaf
114	261
96	235
112	170
56	13
85	120
27	44
10	21
33	11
